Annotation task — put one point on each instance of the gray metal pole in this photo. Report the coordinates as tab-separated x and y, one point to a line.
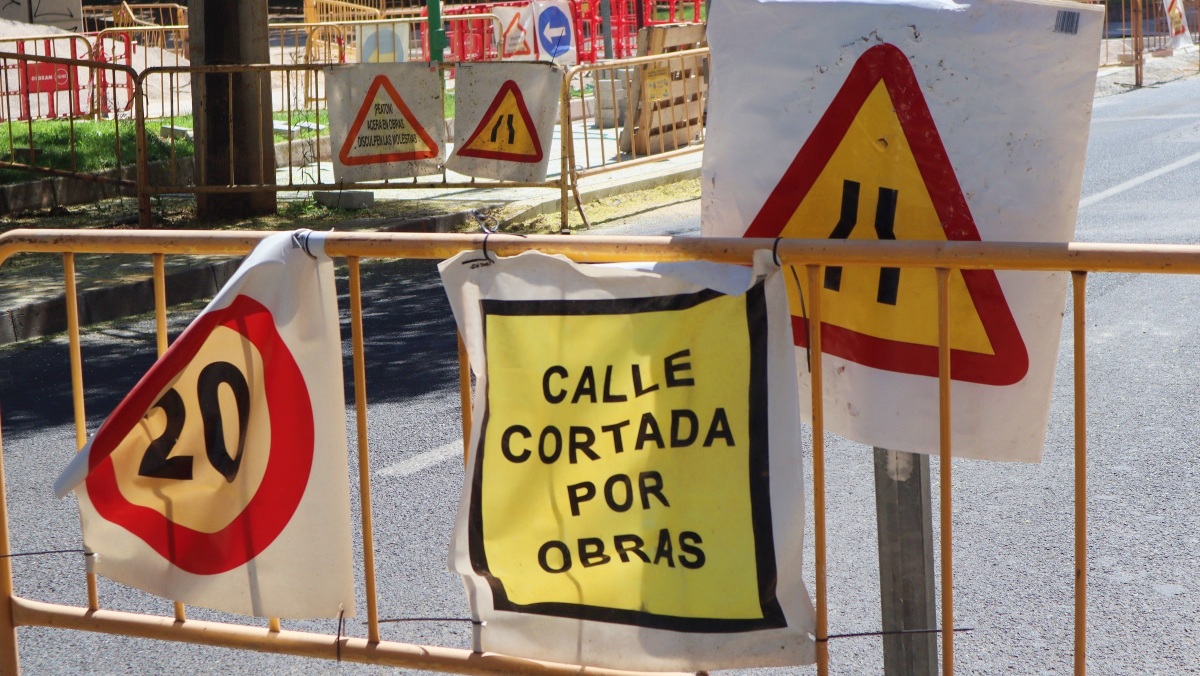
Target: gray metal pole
606	27
905	518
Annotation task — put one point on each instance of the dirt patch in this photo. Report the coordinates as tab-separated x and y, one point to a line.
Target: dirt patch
1156	70
606	209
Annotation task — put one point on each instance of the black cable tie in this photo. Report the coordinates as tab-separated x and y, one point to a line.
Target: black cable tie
341	624
429	619
804	314
892	633
48	551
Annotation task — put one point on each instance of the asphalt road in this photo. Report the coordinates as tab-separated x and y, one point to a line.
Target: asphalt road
1013	522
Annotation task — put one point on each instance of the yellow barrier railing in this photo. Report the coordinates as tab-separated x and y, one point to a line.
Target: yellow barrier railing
89	89
811	255
97	18
636	110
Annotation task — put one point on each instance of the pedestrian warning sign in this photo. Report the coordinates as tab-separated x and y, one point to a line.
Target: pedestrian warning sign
506	131
385	130
504	119
386	121
874	168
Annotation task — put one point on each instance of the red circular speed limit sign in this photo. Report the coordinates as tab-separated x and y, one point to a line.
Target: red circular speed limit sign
208	457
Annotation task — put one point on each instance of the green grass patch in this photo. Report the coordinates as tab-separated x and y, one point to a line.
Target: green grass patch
90	146
81	146
684	12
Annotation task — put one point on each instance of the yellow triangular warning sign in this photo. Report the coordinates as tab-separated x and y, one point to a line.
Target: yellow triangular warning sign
515	41
385	130
874	168
506	131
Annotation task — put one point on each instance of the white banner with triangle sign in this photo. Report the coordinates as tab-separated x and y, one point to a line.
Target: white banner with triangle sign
515	32
385	121
950	122
504	120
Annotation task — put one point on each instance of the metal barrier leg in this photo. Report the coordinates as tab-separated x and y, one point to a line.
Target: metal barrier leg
1078	283
818	441
565	160
143	161
464	395
364	471
9	660
76	353
944	463
578	200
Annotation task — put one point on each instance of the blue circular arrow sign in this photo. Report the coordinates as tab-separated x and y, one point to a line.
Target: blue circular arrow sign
554	31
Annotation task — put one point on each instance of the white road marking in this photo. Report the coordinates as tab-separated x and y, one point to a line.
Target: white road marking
422	461
1135	182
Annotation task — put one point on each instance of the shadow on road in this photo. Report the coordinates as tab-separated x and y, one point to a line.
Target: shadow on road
411	350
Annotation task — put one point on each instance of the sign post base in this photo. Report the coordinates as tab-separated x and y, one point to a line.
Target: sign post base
904	515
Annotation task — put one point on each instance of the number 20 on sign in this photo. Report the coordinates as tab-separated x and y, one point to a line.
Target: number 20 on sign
208	458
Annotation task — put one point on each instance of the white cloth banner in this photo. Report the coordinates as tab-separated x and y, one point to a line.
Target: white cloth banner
504	119
634	494
1177	23
515	34
923	120
386	120
221	479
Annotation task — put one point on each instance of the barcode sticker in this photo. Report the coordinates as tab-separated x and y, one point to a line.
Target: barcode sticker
1067	22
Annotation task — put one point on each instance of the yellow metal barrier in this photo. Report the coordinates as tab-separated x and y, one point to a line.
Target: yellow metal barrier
1135	28
606	96
98	18
812	255
325	11
23	146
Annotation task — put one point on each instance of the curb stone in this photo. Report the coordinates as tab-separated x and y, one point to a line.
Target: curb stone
103	304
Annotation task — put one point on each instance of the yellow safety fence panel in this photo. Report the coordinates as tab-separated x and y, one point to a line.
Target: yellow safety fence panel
811	256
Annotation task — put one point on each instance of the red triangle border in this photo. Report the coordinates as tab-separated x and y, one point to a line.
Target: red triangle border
356	126
508	86
888	63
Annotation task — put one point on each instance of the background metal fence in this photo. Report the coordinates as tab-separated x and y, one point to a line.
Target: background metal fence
148	123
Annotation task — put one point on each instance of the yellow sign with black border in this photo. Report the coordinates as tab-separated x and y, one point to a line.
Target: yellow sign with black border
622	474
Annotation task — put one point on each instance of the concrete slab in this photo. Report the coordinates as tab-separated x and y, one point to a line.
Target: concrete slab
345	199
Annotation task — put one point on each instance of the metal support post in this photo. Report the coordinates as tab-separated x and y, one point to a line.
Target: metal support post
437	32
1138	44
905	517
606	27
9	660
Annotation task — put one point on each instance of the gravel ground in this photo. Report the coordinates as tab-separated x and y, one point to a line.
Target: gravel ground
1156	70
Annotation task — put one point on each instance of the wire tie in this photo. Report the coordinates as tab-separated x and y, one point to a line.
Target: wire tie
48	551
892	633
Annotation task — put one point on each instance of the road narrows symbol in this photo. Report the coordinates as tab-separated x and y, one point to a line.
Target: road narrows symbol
876	157
506	132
